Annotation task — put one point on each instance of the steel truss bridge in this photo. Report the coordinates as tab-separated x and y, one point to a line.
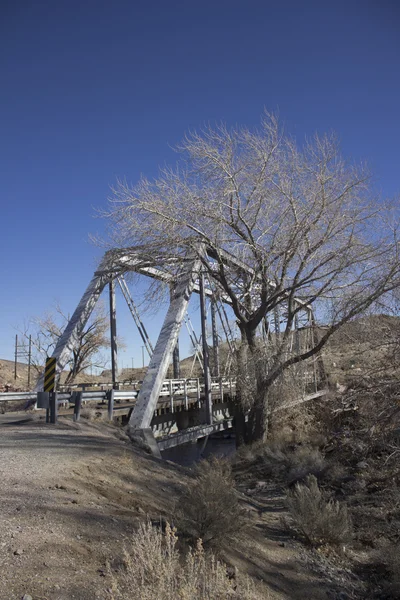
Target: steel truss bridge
178	410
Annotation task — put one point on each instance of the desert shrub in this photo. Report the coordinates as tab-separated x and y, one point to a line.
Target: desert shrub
155	570
321	521
91	414
281	458
305	461
390	557
209	508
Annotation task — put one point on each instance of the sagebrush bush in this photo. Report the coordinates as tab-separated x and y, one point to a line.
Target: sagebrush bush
305	461
389	556
88	413
92	414
209	508
155	570
321	521
283	459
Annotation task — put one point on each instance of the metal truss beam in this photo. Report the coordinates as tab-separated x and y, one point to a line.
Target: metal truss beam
149	392
69	340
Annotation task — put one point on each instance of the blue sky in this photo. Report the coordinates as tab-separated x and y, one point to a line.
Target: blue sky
92	91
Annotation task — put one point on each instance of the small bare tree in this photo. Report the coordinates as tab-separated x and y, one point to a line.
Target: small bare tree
47	330
302	222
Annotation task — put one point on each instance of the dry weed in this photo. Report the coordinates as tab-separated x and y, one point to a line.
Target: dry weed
92	414
154	570
305	461
209	508
320	521
284	460
391	559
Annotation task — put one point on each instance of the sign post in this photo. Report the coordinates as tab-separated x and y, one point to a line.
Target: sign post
49	386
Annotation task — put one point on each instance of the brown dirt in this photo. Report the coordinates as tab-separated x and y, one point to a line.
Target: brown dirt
72	495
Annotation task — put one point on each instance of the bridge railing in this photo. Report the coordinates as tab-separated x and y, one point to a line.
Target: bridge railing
170	388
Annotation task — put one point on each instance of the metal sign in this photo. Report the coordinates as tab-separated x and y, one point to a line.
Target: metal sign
50	375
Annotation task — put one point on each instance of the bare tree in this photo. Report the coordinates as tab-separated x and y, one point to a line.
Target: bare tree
300	221
47	330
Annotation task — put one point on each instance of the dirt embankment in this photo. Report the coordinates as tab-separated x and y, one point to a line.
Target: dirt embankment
73	494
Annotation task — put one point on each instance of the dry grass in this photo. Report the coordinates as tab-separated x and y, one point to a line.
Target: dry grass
305	461
391	559
321	521
155	570
209	508
92	414
283	459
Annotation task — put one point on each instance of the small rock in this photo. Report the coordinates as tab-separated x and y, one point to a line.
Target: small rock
140	510
362	465
18	552
282	544
260	485
27	597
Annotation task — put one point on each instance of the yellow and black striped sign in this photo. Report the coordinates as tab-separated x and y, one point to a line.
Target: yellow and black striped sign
49	375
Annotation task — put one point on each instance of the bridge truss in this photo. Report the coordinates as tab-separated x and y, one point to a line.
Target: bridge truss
185	274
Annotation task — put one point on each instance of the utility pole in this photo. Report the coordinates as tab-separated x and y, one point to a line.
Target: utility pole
29	360
16	356
132	363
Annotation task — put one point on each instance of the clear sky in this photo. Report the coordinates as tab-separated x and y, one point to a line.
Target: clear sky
94	90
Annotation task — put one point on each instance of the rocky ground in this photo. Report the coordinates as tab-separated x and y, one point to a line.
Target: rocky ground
73	494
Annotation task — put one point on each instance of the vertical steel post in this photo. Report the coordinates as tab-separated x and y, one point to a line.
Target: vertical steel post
113	334
296	334
277	324
175	354
171	396
206	364
312	345
111	405
322	377
77	407
16	356
198	395
176	362
53	407
29	361
216	372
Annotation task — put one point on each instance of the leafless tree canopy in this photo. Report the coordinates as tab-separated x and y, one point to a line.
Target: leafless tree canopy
302	219
47	330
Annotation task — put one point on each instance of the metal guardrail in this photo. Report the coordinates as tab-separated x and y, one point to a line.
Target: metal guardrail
15	396
170	388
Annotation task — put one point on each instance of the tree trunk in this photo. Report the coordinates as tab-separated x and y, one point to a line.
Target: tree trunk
257	424
251	392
